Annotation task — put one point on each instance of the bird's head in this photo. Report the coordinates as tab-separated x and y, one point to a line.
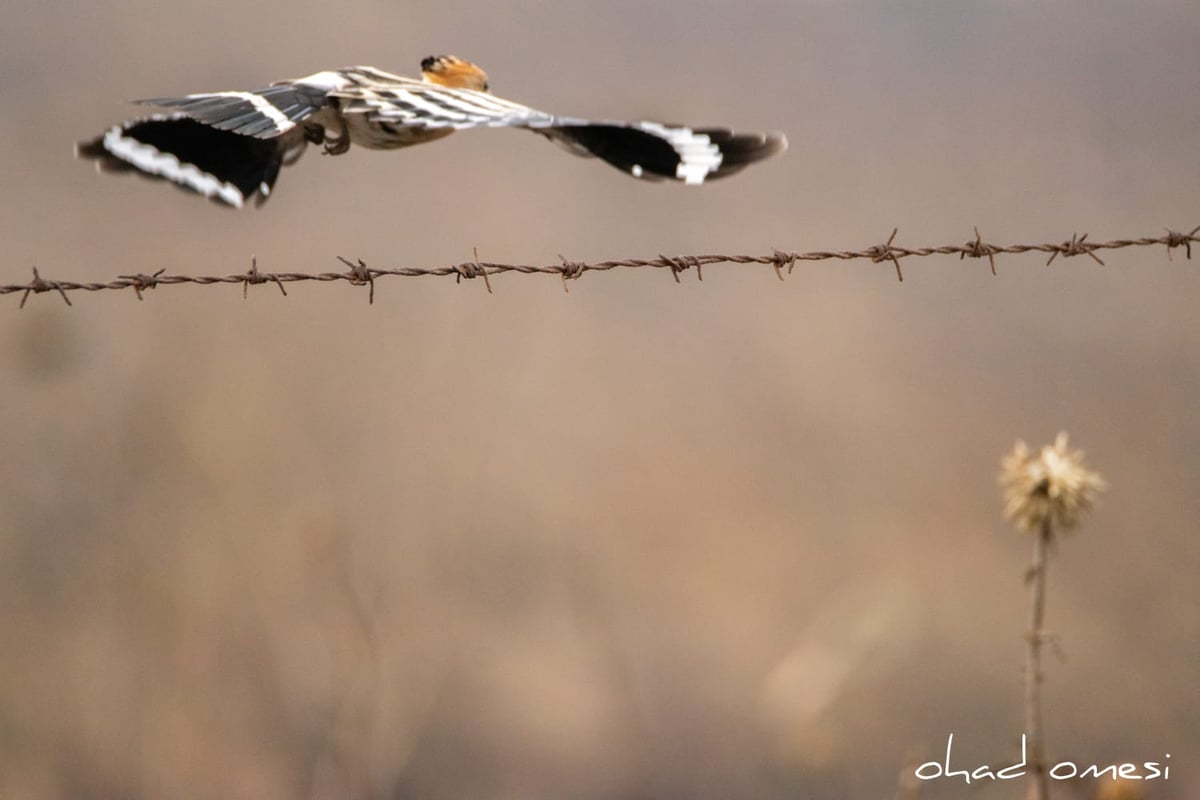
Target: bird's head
452	71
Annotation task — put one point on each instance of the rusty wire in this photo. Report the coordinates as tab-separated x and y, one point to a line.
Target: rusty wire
360	274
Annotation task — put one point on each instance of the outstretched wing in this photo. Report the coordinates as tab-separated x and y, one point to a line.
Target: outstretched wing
221	165
261	113
649	150
655	151
227	146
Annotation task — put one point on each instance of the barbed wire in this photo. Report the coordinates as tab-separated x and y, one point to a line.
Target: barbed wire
358	273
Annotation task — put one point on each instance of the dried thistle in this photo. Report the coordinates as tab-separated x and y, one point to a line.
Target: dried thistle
1052	484
1043	491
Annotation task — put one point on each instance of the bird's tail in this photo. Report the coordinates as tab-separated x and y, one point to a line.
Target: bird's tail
655	151
224	166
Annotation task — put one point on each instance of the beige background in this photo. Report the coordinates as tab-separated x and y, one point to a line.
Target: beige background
737	538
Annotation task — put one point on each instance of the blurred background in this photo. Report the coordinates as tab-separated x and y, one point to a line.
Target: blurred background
737	538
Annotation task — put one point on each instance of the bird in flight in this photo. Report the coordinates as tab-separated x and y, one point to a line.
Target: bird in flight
230	146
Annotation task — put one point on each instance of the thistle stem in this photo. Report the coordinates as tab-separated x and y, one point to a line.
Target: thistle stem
1033	662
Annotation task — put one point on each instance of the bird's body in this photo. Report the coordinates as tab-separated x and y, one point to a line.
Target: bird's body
230	146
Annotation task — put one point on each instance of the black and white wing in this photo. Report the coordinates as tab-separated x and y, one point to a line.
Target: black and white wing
226	167
263	113
649	150
227	146
656	151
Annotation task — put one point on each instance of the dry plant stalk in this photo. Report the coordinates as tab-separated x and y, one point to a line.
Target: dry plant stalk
1043	492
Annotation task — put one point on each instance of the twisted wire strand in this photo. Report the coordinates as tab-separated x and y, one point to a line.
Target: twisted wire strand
358	273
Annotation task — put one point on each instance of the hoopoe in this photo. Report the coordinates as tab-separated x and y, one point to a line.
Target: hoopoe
230	146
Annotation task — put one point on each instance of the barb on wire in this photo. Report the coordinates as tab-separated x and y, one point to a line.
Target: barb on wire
39	285
358	273
141	280
252	276
473	269
977	249
885	252
1177	239
1076	246
574	269
779	259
